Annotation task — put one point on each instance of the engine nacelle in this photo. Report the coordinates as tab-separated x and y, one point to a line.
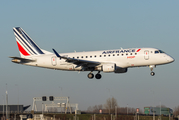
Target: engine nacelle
121	70
109	67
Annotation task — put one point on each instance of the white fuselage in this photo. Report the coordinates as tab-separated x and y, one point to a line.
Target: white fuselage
123	58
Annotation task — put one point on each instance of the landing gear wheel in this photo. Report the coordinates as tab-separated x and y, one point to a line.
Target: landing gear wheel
98	76
152	73
90	75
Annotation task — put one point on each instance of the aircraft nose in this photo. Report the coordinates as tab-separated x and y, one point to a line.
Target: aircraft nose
170	59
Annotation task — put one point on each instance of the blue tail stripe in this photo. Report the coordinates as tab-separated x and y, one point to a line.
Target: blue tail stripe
24	42
30	41
24	45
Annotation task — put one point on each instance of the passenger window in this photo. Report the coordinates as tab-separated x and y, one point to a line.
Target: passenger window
95	56
113	54
100	56
86	56
104	55
109	55
73	57
131	53
90	56
122	54
117	54
77	57
135	53
126	53
81	56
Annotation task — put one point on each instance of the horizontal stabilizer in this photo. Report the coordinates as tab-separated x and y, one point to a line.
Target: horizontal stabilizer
21	60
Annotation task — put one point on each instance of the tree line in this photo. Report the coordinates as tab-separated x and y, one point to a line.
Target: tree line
111	107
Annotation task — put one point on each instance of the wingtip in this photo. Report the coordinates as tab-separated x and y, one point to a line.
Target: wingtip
56	53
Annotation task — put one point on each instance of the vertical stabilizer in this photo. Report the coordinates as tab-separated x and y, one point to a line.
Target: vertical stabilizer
27	47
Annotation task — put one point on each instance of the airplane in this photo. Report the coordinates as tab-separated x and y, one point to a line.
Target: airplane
107	61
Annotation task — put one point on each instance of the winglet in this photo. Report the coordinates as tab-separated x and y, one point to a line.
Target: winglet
56	53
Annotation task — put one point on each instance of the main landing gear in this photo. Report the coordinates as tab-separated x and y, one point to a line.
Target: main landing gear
151	68
97	76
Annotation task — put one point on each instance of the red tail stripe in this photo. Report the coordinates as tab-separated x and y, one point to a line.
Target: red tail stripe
21	49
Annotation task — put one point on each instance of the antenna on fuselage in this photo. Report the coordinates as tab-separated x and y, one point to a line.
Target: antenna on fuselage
75	51
121	48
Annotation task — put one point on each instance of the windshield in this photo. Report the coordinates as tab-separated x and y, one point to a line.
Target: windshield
159	51
156	52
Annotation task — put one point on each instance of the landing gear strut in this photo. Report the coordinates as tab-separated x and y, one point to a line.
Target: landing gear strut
151	68
97	76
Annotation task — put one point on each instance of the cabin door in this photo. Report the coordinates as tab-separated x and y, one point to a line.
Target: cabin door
146	54
54	61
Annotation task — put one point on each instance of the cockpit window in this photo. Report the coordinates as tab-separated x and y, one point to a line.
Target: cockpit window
161	51
156	52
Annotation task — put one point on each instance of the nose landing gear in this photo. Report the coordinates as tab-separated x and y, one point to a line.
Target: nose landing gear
151	68
152	73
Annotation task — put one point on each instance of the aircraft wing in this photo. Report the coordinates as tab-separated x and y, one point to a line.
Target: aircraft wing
78	62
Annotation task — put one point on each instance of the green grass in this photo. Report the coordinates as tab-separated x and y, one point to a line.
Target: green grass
102	117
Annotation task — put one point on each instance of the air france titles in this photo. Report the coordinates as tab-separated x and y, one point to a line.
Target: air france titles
118	51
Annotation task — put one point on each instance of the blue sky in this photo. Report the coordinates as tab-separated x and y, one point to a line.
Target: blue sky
87	26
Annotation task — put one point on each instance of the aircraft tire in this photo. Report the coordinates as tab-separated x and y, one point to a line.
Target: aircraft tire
98	76
90	75
152	73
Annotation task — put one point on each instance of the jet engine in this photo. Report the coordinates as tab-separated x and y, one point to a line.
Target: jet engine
109	67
